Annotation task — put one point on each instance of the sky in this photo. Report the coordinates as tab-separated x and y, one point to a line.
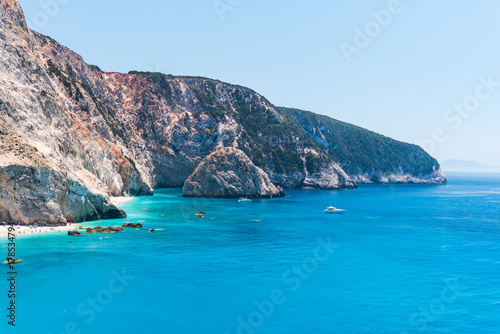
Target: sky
425	72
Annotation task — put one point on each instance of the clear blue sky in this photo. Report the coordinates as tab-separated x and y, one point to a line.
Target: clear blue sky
417	66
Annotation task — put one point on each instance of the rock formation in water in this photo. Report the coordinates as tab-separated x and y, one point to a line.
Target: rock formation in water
229	173
82	135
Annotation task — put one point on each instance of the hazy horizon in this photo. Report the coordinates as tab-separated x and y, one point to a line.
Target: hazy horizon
397	68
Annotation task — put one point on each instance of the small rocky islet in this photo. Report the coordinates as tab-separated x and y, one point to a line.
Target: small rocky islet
229	173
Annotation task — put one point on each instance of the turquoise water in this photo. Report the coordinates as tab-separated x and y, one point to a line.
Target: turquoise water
403	259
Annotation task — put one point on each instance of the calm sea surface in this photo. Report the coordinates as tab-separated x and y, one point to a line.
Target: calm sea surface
402	259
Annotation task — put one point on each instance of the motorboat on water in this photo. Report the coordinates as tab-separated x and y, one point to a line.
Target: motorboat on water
244	200
332	209
200	214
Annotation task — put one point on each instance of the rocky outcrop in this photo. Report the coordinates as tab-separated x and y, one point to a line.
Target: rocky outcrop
229	173
132	225
399	177
109	229
31	195
101	134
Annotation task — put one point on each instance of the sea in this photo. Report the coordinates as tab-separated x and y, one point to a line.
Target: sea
401	259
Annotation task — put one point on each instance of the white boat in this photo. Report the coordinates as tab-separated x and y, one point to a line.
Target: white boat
244	200
332	209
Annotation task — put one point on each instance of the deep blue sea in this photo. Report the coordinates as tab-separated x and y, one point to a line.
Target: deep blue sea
402	259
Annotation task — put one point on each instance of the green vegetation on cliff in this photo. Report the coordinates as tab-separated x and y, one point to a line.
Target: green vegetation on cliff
358	150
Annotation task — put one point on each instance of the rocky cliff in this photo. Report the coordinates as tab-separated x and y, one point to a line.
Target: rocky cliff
41	194
229	173
167	124
42	147
112	134
368	157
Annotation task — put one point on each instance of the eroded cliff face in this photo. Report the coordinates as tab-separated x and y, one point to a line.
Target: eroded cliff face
43	148
109	134
40	194
169	124
229	173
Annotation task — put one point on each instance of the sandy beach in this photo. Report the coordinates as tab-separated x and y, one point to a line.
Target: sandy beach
120	200
26	230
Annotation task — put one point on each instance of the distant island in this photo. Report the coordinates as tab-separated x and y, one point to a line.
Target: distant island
467	167
73	135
